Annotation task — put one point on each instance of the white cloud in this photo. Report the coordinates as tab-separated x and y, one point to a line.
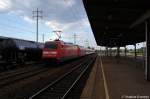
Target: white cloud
68	3
54	25
5	5
77	25
68	30
65	15
60	10
28	19
18	12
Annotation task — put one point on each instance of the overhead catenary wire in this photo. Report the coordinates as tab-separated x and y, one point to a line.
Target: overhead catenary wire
75	13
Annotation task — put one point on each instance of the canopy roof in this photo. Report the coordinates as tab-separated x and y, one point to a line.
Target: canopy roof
118	22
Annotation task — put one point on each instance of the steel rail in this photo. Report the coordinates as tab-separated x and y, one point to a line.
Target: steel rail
57	80
77	79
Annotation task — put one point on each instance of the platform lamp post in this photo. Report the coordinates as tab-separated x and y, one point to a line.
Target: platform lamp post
100	51
118	51
106	51
135	54
125	51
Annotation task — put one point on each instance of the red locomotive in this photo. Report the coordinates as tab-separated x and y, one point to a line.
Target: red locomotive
59	51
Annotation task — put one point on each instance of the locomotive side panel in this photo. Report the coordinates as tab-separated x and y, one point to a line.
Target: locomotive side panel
65	51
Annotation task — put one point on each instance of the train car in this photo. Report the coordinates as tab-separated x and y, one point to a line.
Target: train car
1	41
81	51
59	51
19	51
89	51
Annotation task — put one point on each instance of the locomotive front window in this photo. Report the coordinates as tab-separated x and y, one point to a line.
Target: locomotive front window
51	45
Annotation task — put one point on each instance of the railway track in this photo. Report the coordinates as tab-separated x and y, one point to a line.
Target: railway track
7	67
12	73
62	86
20	75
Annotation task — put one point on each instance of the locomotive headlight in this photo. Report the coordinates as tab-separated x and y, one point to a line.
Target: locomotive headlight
49	52
45	52
53	52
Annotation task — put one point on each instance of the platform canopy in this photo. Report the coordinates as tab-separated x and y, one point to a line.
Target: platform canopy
118	22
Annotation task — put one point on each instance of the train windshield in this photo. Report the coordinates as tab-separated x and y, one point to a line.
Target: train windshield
50	45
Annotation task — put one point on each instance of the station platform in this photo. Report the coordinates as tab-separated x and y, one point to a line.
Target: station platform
112	78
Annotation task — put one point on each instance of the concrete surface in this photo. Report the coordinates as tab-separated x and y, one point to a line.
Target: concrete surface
113	78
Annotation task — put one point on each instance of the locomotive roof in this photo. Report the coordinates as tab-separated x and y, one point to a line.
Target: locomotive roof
67	43
60	41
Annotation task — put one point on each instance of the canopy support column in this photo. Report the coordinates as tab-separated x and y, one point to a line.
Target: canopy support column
118	51
125	51
135	54
147	65
106	54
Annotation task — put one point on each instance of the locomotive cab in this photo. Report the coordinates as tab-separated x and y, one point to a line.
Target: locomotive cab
51	51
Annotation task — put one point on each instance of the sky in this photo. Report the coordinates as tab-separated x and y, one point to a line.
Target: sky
68	16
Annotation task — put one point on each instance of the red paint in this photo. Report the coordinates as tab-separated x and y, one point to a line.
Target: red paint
64	51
